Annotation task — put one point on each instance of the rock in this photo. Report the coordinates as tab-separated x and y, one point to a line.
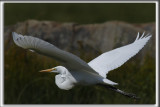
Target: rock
89	38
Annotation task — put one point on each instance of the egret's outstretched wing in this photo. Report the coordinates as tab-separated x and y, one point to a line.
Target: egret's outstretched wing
115	58
69	60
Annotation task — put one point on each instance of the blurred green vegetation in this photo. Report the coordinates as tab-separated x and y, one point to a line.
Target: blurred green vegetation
23	84
83	13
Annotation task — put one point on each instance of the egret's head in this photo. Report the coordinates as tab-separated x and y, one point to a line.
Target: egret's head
57	69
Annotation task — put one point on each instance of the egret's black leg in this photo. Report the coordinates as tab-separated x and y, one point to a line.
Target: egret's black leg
130	95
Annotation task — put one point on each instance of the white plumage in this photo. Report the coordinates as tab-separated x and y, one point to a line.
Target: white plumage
117	57
76	71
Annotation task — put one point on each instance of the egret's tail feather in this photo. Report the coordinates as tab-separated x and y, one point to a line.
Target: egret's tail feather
109	82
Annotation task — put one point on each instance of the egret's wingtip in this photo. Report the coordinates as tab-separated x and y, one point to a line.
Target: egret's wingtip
148	36
13	33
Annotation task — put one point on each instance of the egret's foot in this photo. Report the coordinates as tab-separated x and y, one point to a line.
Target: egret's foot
130	95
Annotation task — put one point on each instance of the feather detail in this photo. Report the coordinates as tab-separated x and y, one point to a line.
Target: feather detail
117	57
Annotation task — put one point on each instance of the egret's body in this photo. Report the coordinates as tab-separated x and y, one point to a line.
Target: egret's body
75	71
66	79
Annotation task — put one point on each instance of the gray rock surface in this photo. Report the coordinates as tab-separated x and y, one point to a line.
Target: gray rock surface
89	38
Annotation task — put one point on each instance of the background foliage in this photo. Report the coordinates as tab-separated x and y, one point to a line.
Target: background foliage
23	84
84	13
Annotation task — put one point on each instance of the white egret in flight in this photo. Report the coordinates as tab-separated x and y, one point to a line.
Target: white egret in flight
75	71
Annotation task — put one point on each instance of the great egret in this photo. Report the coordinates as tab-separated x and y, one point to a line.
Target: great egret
75	71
